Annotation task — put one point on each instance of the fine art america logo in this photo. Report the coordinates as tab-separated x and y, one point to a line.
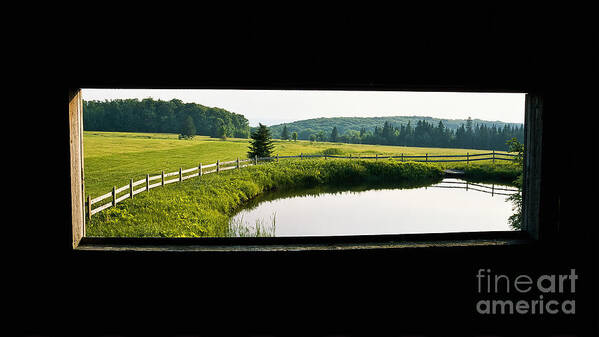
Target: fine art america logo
523	294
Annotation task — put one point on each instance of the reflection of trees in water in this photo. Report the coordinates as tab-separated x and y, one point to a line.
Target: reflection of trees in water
316	191
515	219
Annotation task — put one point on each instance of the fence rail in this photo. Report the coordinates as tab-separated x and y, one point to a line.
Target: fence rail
182	174
481	188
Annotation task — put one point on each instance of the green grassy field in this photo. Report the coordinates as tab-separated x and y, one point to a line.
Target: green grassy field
112	158
203	206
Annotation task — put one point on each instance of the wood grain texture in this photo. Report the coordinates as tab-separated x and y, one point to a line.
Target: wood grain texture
76	167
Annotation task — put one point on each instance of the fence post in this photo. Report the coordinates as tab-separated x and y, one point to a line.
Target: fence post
113	196
237	162
89	207
131	188
217	166
493	157
376	156
350	156
467	162
162	176
200	169
402	157
277	157
492	189
301	156
426	159
147	182
180	174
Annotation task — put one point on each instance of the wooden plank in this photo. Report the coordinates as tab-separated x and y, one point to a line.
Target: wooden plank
139	190
155	177
166	182
189	170
209	165
102	197
123	197
139	182
101	208
155	185
76	167
171	174
227	168
89	207
121	189
191	176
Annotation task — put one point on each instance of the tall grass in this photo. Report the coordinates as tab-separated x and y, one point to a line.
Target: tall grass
239	228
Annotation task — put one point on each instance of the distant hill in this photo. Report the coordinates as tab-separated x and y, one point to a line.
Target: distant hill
305	128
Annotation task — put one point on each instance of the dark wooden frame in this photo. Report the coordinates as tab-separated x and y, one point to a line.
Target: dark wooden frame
531	209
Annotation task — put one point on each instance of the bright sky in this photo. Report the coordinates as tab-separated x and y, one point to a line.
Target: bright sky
271	107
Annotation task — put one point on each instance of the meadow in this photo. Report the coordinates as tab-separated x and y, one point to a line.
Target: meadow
112	158
203	206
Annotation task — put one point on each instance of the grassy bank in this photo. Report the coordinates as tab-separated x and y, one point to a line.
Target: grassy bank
203	206
504	173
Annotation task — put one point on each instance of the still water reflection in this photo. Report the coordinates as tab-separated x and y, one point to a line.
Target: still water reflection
451	205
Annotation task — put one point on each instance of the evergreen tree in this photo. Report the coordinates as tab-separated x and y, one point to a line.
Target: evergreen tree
387	133
285	133
334	135
294	136
362	132
261	143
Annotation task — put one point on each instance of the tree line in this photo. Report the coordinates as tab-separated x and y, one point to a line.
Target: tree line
149	115
425	134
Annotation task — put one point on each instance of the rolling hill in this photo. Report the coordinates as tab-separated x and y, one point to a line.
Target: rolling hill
305	128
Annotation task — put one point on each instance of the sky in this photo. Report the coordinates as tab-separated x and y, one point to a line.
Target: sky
272	107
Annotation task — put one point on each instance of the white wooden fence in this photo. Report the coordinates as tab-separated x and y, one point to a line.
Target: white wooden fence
237	164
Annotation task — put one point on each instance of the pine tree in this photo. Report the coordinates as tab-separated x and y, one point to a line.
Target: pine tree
334	135
261	143
285	133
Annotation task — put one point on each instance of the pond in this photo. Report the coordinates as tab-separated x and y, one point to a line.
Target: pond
452	205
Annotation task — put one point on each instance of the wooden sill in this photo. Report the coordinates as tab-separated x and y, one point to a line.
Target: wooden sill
285	244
